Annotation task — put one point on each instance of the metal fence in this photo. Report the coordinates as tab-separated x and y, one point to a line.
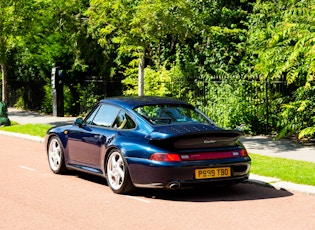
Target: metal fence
261	95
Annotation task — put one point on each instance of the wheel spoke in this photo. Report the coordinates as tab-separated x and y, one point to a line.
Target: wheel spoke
56	154
110	173
114	177
120	172
120	161
114	163
116	180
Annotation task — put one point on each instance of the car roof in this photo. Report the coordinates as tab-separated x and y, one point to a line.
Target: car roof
137	101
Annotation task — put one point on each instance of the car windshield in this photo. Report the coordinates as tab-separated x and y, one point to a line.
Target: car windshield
171	114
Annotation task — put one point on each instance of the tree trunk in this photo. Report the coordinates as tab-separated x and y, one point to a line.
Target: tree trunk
141	76
3	74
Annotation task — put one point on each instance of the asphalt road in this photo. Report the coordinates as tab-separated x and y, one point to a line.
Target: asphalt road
32	197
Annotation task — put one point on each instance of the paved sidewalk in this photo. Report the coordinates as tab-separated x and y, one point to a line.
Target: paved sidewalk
28	117
257	144
283	148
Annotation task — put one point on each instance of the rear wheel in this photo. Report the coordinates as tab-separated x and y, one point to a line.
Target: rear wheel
117	174
56	156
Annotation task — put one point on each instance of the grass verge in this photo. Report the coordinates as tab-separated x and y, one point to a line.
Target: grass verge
299	172
294	171
30	129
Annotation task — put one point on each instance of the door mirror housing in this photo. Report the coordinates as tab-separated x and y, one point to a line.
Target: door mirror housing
79	122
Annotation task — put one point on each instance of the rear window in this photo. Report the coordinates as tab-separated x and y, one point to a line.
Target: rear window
171	114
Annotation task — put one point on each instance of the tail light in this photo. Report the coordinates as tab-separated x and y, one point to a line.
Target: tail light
173	157
243	153
166	157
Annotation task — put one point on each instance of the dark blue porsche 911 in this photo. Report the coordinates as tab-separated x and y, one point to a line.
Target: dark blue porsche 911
148	142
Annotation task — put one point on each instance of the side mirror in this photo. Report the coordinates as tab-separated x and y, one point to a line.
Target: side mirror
78	122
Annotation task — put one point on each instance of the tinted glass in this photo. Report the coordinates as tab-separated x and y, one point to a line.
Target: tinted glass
89	119
105	116
123	121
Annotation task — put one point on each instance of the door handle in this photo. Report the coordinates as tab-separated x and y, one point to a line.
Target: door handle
98	136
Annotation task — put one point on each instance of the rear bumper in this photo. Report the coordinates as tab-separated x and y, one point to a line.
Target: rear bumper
150	174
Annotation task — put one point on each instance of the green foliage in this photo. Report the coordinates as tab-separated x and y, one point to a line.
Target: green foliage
298	115
282	35
156	83
161	82
281	43
20	103
307	132
87	97
225	105
47	101
231	104
184	44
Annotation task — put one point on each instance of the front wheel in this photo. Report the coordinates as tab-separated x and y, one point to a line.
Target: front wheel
117	174
56	156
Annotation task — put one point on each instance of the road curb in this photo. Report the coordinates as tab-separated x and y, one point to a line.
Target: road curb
22	136
278	184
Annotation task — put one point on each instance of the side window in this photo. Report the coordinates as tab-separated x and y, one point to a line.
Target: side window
123	121
89	119
105	116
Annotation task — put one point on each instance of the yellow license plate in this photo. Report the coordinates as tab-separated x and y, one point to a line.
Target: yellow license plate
207	173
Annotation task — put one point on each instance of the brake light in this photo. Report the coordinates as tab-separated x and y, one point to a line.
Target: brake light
166	157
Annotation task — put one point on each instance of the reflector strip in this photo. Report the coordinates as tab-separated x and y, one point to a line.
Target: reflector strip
212	155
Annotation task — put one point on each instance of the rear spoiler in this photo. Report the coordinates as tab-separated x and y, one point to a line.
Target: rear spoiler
198	140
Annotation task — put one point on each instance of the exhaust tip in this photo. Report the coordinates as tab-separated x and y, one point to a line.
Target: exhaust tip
174	185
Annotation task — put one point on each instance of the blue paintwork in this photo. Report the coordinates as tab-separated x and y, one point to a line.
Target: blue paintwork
86	146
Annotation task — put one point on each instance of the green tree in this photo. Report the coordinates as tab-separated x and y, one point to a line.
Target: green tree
281	38
9	21
282	35
138	28
56	36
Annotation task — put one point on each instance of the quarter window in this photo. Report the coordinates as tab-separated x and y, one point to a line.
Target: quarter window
123	121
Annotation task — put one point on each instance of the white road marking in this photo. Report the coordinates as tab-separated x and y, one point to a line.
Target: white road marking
30	169
139	199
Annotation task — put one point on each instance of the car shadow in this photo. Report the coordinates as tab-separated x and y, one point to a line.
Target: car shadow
239	192
87	177
258	190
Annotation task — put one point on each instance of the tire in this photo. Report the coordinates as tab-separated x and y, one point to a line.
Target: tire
55	155
117	173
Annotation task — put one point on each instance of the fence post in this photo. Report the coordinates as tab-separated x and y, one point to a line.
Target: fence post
267	107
